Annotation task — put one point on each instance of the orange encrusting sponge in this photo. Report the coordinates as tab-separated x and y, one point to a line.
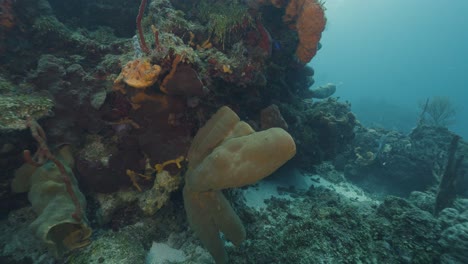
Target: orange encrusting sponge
309	18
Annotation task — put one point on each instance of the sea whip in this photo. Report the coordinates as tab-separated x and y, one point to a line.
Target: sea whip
143	45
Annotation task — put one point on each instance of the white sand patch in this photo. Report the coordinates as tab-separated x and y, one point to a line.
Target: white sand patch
346	189
256	195
162	253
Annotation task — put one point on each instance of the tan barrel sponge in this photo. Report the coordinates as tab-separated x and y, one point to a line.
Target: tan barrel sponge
228	153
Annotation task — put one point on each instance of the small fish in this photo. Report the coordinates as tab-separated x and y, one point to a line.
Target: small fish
276	45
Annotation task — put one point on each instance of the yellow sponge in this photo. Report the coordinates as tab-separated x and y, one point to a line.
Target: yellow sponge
228	153
210	213
242	160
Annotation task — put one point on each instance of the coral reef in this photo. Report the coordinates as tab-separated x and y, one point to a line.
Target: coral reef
392	163
129	88
271	117
307	17
138	74
323	91
158	196
454	239
15	108
94	163
7	15
343	231
7	21
17	102
223	18
111	248
18	244
322	129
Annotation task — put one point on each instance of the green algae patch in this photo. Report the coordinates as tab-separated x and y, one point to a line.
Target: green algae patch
223	18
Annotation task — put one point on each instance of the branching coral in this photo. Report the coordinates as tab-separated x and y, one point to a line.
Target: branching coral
141	36
438	112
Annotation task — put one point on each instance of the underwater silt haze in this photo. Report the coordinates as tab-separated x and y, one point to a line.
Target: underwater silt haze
396	53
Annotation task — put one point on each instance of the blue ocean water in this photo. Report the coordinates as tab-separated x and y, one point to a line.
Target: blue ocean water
387	56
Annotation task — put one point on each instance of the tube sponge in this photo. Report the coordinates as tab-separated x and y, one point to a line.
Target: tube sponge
49	198
228	153
208	214
242	160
